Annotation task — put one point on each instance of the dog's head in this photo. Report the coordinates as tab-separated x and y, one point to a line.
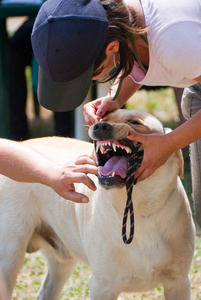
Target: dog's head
113	149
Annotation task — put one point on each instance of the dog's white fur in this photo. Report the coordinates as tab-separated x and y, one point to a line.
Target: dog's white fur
33	217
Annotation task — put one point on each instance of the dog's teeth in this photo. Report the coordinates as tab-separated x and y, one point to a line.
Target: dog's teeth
113	174
97	147
128	150
106	151
102	149
114	147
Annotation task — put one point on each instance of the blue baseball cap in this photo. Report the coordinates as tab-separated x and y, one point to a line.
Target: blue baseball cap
67	37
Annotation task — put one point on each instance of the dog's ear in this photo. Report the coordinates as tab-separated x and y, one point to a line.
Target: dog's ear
179	154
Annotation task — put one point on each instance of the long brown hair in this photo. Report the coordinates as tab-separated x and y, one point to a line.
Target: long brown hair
122	22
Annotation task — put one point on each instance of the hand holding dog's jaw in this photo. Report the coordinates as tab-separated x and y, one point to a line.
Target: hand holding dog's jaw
157	150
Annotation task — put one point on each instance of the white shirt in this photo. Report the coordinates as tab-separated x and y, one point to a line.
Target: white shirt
174	38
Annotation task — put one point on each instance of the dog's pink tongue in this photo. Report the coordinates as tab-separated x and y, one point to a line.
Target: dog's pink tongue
117	164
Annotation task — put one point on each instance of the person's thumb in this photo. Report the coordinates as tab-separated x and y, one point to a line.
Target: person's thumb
101	111
103	108
133	136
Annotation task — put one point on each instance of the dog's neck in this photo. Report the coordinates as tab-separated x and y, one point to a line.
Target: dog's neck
114	196
147	200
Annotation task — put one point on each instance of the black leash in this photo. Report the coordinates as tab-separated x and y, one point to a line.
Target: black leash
134	162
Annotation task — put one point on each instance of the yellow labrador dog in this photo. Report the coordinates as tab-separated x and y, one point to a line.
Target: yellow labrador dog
33	217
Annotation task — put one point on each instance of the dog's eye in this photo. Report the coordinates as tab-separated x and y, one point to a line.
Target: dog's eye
134	122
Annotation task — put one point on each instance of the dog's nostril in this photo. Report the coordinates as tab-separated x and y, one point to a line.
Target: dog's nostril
106	127
96	127
103	126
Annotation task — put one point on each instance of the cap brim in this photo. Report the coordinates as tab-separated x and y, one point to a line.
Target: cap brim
63	96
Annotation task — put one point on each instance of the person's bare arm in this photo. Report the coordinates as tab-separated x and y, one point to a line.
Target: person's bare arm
158	147
21	163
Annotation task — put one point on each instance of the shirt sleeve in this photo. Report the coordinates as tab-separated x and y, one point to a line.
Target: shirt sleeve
178	49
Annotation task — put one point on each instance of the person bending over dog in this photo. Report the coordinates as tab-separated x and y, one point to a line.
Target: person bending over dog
146	42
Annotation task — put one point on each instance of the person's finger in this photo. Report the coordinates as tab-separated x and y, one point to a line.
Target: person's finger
89	113
85	159
133	136
81	177
91	119
144	175
87	169
141	177
104	108
68	191
75	197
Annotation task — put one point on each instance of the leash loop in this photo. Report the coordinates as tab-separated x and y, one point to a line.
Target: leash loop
134	162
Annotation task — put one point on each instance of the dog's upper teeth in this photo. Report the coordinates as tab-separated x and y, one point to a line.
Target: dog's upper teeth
102	149
101	146
97	147
114	147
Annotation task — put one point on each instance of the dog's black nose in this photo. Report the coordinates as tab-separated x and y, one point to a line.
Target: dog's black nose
102	130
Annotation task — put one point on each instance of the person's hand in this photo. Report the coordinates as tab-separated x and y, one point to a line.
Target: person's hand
157	149
62	178
97	109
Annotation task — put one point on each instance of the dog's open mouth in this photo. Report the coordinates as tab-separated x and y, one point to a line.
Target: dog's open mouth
113	157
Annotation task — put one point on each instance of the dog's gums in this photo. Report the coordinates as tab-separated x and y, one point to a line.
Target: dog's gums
113	157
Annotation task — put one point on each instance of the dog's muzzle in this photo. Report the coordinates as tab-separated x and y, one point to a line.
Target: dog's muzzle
112	156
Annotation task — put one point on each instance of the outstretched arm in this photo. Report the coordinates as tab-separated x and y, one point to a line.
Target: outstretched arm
24	164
